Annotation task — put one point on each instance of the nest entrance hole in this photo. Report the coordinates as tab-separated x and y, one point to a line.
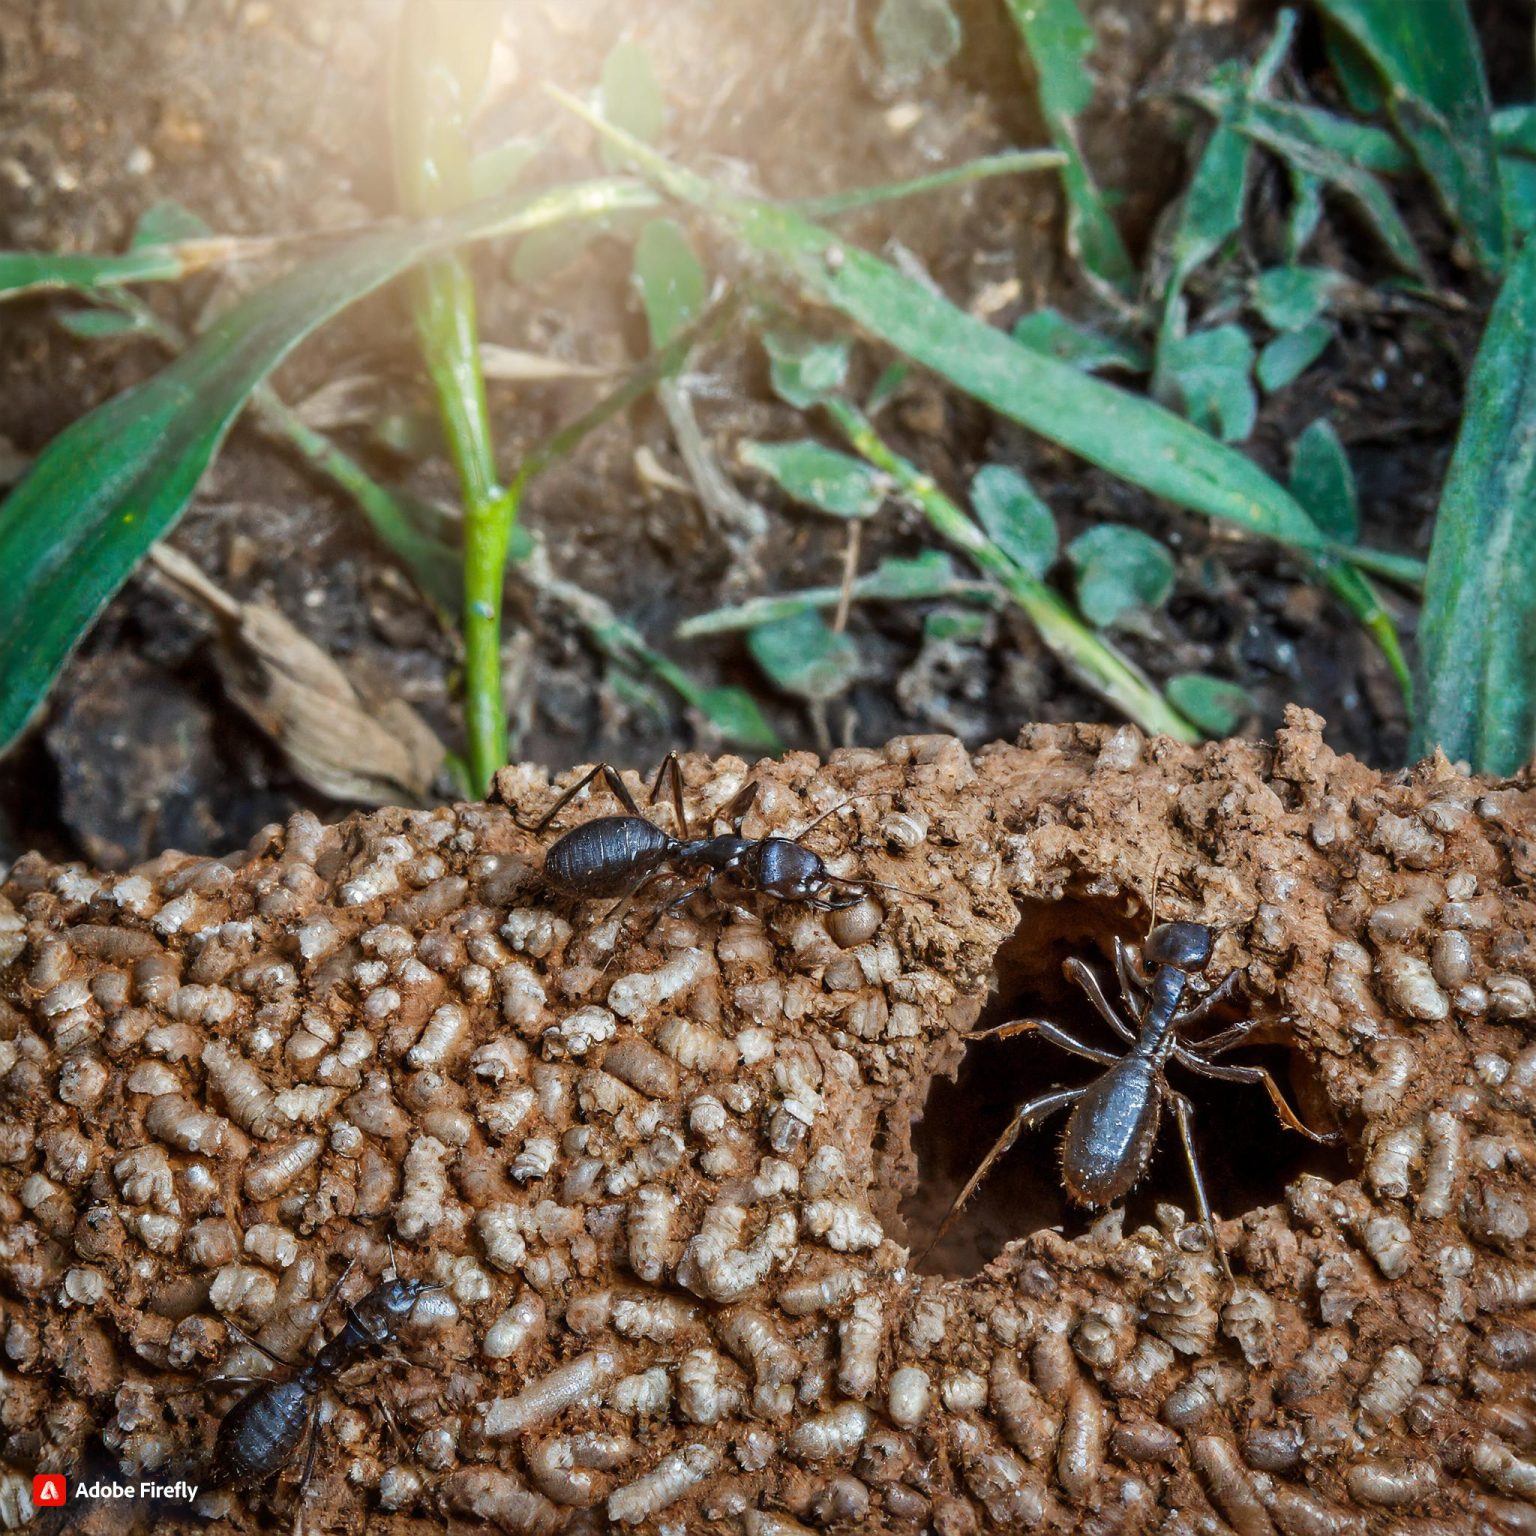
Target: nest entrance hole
1246	1155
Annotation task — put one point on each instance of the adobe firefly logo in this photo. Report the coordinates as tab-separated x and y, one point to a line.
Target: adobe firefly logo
48	1489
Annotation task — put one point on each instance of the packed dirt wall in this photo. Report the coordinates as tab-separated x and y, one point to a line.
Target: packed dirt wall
664	1169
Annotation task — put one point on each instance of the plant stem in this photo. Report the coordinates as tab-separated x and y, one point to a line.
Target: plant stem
441	71
1087	655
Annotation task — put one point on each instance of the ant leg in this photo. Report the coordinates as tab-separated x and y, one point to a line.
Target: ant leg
1219	994
1047	1031
1229	1074
740	803
214	1382
611	778
1083	975
244	1338
674	774
1184	1113
1036	1109
1227	1040
309	1467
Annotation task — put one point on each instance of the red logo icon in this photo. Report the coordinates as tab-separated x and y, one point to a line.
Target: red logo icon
48	1488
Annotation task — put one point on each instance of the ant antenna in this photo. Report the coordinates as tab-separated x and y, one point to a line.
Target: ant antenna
1157	870
868	794
394	1263
880	885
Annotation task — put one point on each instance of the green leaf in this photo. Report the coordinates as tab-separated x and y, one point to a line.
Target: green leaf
1058	41
1517	176
913	38
632	96
804	369
930	574
735	714
1015	518
1048	331
35	271
167	223
1431	65
887	387
673	286
1290	297
1477	636
542	254
1286	357
1211	210
494	172
803	656
820	477
99	324
1514	130
1210	373
107	487
962	625
1306	211
1214	705
1355	73
1323	482
1119	569
1322	133
1008	163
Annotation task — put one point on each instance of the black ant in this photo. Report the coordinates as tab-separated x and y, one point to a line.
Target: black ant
621	855
260	1435
1113	1127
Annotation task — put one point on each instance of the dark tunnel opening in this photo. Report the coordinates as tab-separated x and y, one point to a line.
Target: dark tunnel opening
1247	1156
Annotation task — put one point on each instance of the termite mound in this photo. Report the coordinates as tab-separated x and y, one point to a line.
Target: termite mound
659	1170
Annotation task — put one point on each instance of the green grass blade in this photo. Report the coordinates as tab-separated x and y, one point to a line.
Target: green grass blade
1058	41
1436	92
1009	163
25	272
441	68
116	480
1477	637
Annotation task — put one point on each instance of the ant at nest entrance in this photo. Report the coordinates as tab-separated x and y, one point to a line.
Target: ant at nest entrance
1246	1155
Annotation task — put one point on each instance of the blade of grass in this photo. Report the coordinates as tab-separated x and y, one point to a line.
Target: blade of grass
1010	163
1477	638
1091	659
27	272
1432	68
1057	42
944	586
1123	433
441	70
112	483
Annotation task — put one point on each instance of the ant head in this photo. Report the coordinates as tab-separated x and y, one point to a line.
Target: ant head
1185	946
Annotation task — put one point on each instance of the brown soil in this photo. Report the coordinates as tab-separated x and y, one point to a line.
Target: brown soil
269	116
668	1176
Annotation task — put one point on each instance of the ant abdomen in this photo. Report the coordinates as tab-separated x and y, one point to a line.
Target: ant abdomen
1111	1132
605	857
